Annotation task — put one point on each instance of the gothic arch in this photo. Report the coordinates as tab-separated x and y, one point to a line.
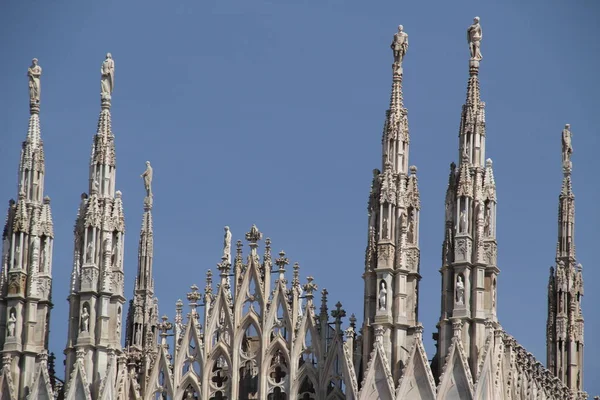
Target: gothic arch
190	382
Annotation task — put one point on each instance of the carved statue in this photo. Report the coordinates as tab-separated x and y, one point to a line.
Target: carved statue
107	82
227	244
382	296
147	175
400	45
17	260
463	222
12	324
138	335
567	149
85	320
384	232
34	73
460	291
119	324
410	236
474	36
486	225
90	252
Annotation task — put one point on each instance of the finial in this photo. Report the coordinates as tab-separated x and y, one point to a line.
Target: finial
413	169
353	321
567	149
309	287
296	278
338	314
34	74
107	80
46	199
208	287
192	297
399	47
164	327
80	354
324	294
488	163
253	236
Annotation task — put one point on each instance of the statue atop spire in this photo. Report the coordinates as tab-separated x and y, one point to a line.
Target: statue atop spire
567	148
147	175
399	45
34	73
474	36
107	82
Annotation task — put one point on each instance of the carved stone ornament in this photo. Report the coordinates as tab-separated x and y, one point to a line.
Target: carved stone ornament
474	36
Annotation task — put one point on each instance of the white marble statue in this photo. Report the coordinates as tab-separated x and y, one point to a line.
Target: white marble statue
463	222
85	320
474	36
382	296
17	260
400	45
227	245
108	76
34	73
567	148
12	324
147	175
90	252
460	291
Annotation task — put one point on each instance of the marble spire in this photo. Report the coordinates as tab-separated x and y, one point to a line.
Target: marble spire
469	268
26	277
96	299
142	317
392	254
565	290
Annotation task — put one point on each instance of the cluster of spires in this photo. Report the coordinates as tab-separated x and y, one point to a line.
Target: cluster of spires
101	214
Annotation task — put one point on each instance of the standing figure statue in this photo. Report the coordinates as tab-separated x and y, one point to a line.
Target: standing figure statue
34	73
147	175
107	82
227	245
399	45
463	222
382	296
474	36
567	149
85	320
12	323
460	291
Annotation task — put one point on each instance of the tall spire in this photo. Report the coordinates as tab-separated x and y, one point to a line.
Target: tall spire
565	319
142	318
469	269
26	277
96	299
392	256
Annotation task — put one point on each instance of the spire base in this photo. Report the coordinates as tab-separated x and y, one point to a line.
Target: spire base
105	102
473	67
34	107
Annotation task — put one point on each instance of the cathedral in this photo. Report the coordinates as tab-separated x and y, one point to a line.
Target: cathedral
257	330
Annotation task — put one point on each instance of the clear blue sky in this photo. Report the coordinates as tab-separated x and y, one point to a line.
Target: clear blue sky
271	112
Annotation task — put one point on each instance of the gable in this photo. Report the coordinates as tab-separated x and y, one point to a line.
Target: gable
456	382
417	381
378	379
41	389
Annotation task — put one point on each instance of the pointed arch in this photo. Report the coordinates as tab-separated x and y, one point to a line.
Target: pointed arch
218	375
307	346
161	380
308	388
189	386
276	367
190	357
219	327
248	349
279	320
250	297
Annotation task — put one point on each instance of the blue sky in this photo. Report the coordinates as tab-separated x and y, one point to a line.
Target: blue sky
271	112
